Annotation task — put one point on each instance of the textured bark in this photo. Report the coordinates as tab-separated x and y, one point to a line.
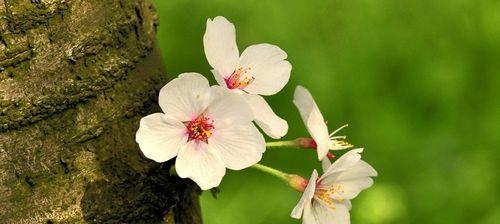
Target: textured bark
75	78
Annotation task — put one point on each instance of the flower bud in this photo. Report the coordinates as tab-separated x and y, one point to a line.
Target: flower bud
306	143
297	182
309	143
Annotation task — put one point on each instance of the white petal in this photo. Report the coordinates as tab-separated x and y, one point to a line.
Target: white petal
239	146
268	66
306	198
313	120
325	164
344	163
359	170
228	108
274	126
219	78
220	46
185	97
199	163
326	215
309	217
352	181
351	188
160	138
347	204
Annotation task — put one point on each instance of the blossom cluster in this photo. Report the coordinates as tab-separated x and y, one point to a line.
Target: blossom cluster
210	128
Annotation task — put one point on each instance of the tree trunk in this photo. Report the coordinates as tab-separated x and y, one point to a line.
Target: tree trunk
75	78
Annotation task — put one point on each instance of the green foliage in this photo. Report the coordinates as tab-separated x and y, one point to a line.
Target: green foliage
418	82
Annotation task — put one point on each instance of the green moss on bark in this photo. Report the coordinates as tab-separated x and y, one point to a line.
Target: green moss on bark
75	78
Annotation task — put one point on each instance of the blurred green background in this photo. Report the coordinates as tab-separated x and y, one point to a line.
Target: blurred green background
417	81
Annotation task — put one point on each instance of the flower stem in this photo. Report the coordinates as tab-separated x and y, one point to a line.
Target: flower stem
294	181
272	171
302	143
281	144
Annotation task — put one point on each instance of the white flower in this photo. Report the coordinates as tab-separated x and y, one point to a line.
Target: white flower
207	128
327	199
316	125
260	70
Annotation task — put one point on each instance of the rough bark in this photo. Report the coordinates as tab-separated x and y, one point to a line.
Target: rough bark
75	78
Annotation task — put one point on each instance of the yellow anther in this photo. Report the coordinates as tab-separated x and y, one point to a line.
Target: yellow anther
327	194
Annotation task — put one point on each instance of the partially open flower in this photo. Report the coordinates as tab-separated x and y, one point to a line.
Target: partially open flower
207	128
316	125
260	70
327	199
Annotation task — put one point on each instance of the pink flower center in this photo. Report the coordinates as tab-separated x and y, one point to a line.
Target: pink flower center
199	129
239	79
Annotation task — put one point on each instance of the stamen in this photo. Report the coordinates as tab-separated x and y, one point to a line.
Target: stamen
339	144
239	79
326	195
199	129
338	129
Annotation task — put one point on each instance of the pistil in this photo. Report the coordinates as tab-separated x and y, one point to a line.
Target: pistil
199	129
239	79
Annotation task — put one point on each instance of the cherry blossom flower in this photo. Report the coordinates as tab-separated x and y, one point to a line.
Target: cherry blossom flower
260	70
327	199
207	128
316	125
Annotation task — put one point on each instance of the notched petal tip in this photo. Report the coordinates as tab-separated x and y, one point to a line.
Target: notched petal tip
219	42
200	164
221	19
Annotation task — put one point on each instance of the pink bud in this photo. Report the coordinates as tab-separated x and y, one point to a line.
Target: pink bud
297	182
307	143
